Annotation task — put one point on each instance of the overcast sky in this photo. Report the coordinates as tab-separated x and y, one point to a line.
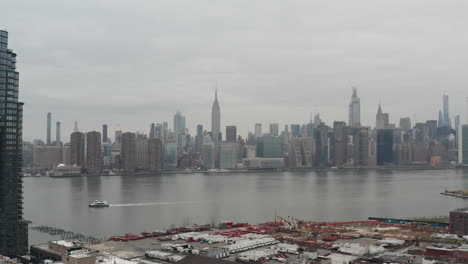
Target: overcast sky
136	62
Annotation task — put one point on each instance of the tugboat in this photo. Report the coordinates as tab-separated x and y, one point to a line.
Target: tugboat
98	204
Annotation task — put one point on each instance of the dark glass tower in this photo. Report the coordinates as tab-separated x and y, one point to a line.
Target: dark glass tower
13	228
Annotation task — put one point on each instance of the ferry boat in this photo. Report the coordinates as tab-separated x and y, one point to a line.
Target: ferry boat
64	171
98	204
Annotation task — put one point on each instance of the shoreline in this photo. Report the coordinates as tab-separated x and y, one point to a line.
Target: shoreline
171	172
230	171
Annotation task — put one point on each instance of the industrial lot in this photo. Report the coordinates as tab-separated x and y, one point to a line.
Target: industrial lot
287	240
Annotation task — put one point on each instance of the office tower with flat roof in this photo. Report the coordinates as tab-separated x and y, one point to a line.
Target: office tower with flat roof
170	156
228	153
13	228
269	146
117	145
384	146
58	141
215	119
49	128
310	129
208	154
152	131
127	154
321	146
155	155
199	138
432	124
463	145
93	153
355	110
361	146
258	130
405	124
274	129
340	140
104	133
301	152
77	146
231	133
141	151
295	130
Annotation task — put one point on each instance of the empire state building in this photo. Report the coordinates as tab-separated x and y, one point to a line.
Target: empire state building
215	119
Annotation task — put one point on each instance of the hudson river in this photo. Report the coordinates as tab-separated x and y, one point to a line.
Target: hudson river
147	203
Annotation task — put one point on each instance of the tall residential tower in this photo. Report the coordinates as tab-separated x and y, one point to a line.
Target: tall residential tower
49	128
446	113
13	228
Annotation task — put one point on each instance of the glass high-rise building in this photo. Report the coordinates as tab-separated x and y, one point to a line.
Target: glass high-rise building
13	228
384	146
49	128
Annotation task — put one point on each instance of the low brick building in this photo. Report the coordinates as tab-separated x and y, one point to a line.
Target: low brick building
458	222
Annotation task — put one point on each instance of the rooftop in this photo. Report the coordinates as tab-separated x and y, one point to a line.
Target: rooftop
64	243
192	259
461	210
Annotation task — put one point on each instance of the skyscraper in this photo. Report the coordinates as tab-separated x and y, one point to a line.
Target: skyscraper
274	129
127	154
199	138
215	119
155	155
355	110
93	152
384	146
295	130
381	119
258	130
463	145
118	138
104	133
170	156
440	122
405	123
141	151
269	146
49	128
361	155
321	146
446	116
58	142
152	131
179	126
231	133
228	155
77	146
208	154
13	228
340	138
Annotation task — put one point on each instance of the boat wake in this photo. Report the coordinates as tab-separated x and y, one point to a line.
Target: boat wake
148	204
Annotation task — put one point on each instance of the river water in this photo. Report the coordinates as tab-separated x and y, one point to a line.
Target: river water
146	203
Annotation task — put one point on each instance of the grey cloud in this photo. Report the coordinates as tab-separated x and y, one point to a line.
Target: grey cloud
136	62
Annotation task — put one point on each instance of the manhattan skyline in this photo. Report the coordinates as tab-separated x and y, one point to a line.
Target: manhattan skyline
278	63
